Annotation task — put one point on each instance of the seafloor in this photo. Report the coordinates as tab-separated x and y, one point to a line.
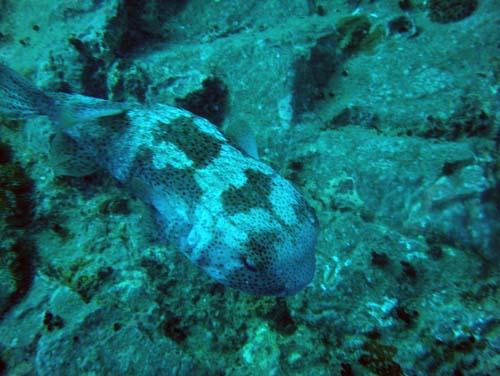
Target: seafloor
383	113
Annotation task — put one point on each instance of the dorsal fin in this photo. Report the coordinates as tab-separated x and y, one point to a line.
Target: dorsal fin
244	138
76	109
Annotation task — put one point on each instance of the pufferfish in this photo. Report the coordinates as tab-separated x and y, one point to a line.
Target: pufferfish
227	212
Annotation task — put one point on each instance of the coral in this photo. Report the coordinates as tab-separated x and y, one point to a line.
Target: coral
378	358
445	11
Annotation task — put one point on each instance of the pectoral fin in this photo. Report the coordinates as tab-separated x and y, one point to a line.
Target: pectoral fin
68	159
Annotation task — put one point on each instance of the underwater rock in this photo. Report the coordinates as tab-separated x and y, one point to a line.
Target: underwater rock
105	331
415	209
413	193
454	207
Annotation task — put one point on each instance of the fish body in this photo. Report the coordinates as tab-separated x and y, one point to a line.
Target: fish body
229	213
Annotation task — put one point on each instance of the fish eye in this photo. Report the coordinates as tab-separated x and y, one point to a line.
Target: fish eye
248	264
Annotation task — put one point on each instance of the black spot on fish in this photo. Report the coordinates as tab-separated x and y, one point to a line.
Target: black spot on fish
175	181
260	249
304	212
253	194
199	146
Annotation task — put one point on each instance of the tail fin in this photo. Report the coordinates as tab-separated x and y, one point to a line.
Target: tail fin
20	99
